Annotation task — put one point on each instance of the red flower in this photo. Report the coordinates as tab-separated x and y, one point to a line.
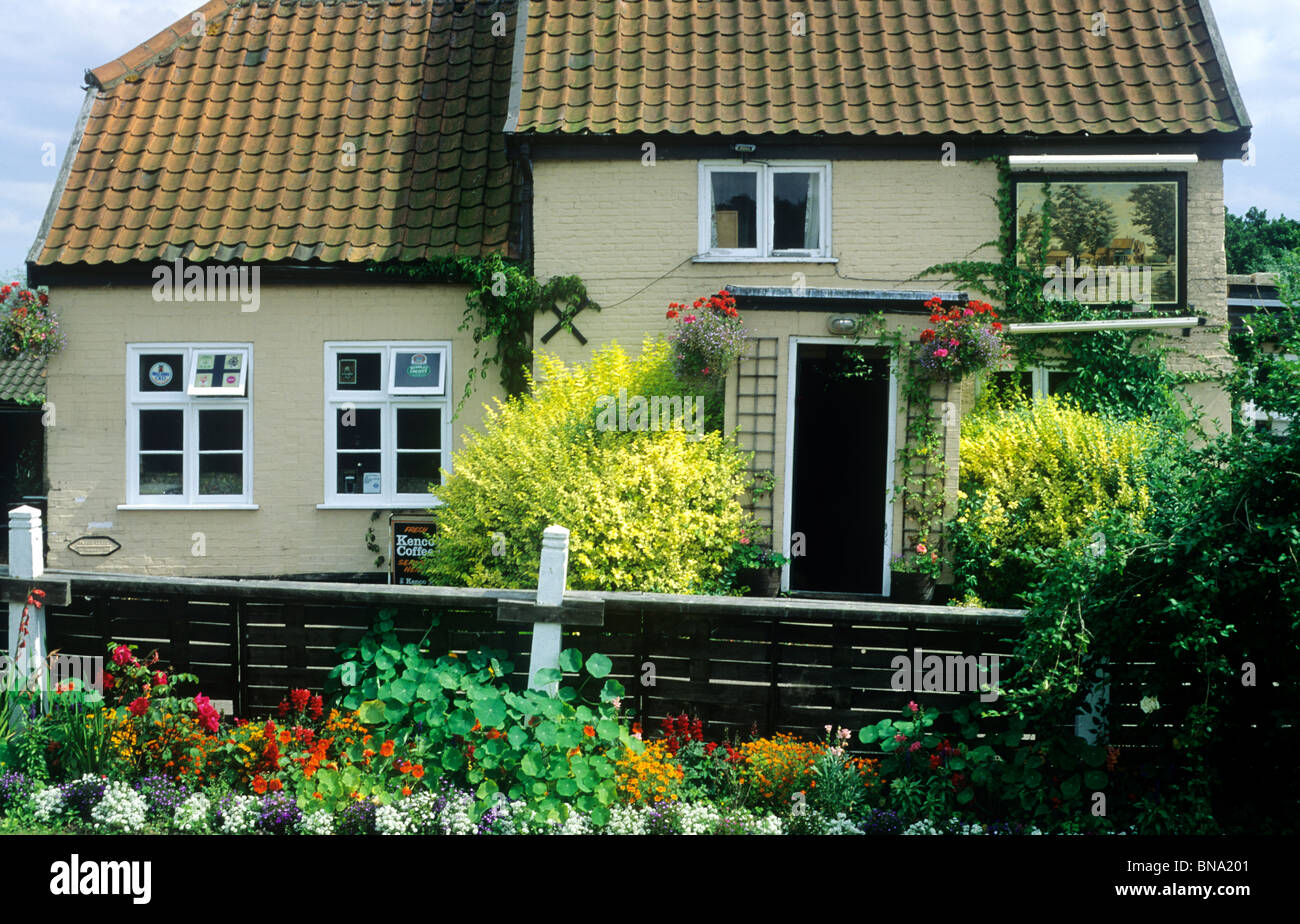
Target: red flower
299	698
386	749
671	314
159	679
122	655
589	731
139	706
927	335
316	707
259	784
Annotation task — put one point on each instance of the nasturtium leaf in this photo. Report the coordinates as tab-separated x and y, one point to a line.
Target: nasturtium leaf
599	665
571	659
548	675
371	712
600	816
1095	780
1070	787
612	690
460	722
607	729
491	713
532	765
567	788
546	733
517	736
452	759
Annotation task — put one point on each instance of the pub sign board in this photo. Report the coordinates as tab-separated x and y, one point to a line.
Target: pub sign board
412	539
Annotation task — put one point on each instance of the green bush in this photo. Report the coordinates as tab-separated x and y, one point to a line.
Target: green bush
1035	476
652	510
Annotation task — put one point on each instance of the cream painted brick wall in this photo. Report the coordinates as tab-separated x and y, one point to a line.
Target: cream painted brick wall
86	449
630	231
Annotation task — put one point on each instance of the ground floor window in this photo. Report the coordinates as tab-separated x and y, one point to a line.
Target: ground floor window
189	424
387	422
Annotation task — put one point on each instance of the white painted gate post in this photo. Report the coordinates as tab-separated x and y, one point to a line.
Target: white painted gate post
551	579
26	561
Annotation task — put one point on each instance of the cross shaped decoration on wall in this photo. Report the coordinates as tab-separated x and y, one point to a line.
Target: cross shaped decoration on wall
566	320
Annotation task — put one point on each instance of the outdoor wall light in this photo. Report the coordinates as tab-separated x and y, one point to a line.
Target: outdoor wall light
842	325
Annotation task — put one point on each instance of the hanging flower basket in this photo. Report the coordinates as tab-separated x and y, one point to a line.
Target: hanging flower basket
27	326
960	341
707	338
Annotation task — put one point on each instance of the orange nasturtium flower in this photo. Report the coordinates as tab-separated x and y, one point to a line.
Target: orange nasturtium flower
418	772
589	731
387	749
259	784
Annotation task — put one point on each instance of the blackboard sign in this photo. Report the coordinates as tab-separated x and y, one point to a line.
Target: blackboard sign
412	540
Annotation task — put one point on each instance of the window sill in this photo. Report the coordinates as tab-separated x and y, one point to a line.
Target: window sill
189	507
722	258
380	503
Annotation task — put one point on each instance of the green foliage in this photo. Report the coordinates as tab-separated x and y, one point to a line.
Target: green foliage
652	510
1035	476
988	769
460	713
499	309
1256	243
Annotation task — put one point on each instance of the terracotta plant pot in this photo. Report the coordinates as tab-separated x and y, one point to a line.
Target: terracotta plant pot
909	587
762	582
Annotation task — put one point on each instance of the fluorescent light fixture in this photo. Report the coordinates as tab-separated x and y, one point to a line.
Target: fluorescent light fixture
1030	160
1067	327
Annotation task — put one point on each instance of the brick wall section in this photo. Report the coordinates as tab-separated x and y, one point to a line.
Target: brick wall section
87	446
631	231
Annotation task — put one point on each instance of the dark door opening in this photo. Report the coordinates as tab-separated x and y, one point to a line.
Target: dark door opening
841	439
22	459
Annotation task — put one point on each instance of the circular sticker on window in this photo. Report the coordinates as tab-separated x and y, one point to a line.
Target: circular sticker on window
232	379
160	374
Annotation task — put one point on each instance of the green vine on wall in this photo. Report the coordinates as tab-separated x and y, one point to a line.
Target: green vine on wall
500	306
1123	373
921	466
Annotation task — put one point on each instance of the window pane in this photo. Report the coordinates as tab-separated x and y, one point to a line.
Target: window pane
416	369
161	372
735	210
162	431
221	430
358	372
358	473
161	474
1056	380
419	428
358	428
796	213
416	471
221	474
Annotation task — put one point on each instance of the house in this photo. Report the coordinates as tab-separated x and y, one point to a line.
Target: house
816	158
812	158
238	396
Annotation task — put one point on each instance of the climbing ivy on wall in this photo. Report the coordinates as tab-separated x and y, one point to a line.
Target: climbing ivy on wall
1122	373
502	300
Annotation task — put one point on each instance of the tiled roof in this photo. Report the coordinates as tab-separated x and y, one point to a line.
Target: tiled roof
21	377
292	131
874	67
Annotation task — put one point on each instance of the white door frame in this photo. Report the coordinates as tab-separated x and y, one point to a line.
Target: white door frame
890	449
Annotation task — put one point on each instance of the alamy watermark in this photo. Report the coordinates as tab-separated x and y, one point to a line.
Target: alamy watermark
658	412
1093	284
932	673
178	282
64	672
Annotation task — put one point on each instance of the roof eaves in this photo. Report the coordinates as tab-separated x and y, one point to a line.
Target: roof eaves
517	68
148	53
61	183
1221	56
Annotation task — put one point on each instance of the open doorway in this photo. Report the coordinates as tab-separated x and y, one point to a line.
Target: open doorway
840	463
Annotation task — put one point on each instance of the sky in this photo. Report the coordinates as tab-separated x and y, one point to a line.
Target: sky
51	43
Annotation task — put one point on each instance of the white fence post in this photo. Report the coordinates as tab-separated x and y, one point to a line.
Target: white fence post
26	561
551	579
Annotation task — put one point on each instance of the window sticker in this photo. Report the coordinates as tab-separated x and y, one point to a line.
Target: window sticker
160	374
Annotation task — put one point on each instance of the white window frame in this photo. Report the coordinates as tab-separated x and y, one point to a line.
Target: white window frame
389	400
1278	424
765	216
189	405
1039	374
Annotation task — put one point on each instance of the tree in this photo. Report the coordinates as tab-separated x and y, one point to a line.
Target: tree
1258	244
1082	222
1156	213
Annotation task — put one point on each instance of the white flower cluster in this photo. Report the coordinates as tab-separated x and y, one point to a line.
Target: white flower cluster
626	820
121	809
240	816
191	816
924	826
47	804
575	823
457	816
422	811
841	825
389	819
697	818
316	823
767	824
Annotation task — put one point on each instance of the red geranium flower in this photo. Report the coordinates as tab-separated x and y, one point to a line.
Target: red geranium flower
139	706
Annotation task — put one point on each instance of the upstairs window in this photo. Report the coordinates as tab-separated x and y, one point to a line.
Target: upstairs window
769	211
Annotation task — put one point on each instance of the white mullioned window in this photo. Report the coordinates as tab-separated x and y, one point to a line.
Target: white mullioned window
189	425
387	422
778	210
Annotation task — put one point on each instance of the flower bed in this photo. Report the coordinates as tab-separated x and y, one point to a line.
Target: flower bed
416	745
